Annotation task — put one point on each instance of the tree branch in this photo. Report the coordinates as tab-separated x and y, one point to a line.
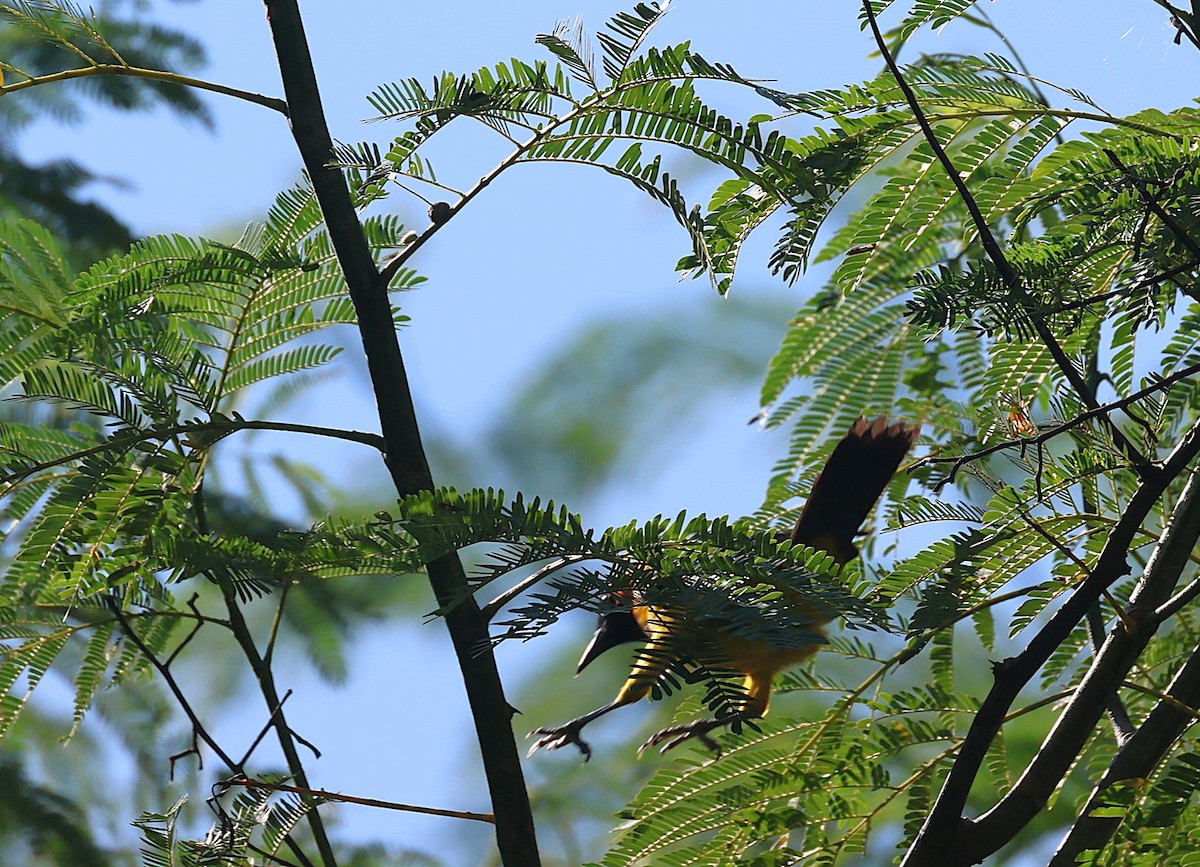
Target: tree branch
405	454
218	429
1184	22
1137	759
164	670
1120	652
1011	278
946	830
1022	442
1157	209
265	676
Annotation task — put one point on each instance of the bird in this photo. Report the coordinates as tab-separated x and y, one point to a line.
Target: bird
853	479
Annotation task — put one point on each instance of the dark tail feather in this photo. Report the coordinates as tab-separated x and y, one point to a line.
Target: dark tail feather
853	479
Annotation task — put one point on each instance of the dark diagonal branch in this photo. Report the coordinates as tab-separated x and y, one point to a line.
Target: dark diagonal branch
405	454
1136	760
264	731
1184	22
164	670
1153	204
1119	654
991	246
946	830
265	676
1122	724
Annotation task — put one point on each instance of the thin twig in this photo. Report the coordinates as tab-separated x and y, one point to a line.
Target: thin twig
198	728
961	460
283	732
262	733
187	638
1179	601
435	184
270	856
1158	210
326	795
1058	544
1170	274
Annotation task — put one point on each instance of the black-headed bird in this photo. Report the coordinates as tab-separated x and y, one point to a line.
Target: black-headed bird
853	479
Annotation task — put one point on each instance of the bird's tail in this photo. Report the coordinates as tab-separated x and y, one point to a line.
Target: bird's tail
854	477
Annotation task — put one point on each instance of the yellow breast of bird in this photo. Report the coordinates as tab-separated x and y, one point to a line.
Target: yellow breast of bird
709	641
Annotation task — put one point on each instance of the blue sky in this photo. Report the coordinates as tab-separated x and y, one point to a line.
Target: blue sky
520	270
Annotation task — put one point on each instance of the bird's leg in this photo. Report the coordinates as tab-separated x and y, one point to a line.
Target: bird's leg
698	729
758	697
568	733
634	689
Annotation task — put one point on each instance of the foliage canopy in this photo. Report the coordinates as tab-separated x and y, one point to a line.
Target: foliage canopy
1019	273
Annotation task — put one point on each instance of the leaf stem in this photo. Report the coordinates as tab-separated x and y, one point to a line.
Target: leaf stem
492	608
1065	113
220	428
112	69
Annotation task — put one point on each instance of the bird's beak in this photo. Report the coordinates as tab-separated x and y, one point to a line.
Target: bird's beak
616	627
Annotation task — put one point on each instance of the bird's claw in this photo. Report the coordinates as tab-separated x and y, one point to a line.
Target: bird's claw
676	735
553	739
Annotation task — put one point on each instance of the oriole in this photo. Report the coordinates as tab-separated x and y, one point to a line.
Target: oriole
853	479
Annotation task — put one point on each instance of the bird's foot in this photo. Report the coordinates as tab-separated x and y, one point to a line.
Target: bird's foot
676	735
553	739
